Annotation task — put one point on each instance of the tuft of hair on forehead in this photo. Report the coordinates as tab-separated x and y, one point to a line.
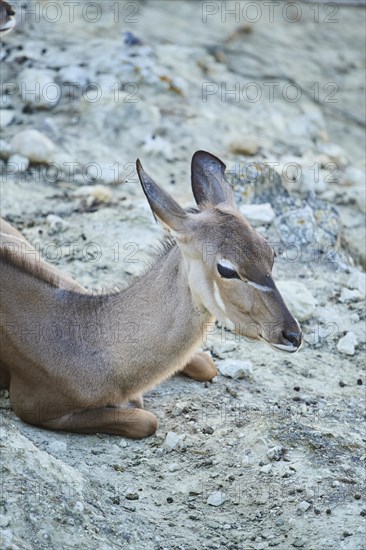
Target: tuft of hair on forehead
237	240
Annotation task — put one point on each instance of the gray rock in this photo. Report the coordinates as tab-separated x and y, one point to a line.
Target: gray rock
6	117
348	295
232	368
38	89
5	149
311	181
353	176
333	151
216	499
56	224
347	344
357	281
174	441
34	145
298	298
4	521
17	163
258	214
303	506
73	74
276	453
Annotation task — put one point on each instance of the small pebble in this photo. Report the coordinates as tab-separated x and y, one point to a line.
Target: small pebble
265	469
56	224
216	499
247	146
258	214
17	163
174	441
34	145
303	506
46	93
347	344
6	117
232	368
132	496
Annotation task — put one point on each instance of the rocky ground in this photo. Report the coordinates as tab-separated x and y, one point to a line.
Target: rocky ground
272	453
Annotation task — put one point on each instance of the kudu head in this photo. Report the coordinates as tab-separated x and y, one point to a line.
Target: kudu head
228	263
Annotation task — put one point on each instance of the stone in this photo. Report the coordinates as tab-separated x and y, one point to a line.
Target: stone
232	368
6	117
353	176
216	498
93	194
130	495
258	214
348	295
333	151
174	441
5	149
247	146
38	89
347	344
265	469
56	224
34	145
357	280
303	506
180	407
4	521
17	163
298	298
276	453
311	181
73	74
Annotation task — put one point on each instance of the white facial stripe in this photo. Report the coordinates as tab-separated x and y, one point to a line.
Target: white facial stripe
227	264
260	287
218	298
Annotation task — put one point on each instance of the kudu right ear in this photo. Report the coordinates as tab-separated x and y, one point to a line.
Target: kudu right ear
209	185
163	206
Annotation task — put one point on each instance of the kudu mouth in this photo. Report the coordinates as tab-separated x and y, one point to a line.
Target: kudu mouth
292	342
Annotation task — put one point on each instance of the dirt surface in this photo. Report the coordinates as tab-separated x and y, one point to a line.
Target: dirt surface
275	459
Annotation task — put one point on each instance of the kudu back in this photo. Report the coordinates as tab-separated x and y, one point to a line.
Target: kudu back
79	361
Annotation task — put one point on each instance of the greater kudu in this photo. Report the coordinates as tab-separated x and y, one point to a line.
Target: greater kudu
71	357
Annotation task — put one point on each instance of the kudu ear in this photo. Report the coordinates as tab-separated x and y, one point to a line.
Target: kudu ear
163	206
209	185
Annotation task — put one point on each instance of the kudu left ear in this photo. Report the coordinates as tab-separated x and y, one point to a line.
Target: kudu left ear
209	184
163	206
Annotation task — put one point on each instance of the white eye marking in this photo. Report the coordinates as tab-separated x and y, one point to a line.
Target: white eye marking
227	264
260	287
218	298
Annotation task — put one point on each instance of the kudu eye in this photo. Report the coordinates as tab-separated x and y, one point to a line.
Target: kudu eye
227	272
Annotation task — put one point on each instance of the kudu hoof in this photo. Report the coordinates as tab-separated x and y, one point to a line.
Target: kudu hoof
201	367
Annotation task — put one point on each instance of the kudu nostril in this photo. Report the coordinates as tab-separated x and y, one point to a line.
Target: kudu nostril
293	337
